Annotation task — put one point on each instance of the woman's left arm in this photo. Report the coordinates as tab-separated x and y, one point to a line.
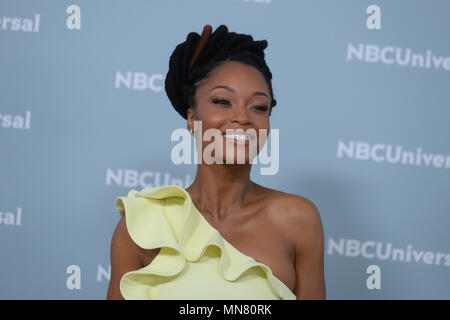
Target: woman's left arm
307	233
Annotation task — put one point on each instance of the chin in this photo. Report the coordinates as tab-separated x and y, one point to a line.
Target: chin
236	160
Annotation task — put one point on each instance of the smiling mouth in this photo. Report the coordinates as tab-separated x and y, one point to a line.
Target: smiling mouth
242	139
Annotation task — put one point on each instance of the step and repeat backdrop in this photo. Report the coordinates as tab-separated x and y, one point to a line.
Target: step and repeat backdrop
363	91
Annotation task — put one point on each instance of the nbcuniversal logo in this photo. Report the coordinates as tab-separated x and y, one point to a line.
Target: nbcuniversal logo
385	251
395	55
380	152
139	81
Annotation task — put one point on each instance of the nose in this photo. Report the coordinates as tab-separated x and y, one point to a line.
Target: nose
240	115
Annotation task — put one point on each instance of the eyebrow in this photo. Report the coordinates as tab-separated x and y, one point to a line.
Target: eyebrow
256	93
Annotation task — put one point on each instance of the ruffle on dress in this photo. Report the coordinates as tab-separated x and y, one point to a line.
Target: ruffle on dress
166	217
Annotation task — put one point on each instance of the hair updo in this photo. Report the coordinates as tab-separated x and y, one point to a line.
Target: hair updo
220	46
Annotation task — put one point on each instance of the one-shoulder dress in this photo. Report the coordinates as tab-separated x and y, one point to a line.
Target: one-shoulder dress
195	261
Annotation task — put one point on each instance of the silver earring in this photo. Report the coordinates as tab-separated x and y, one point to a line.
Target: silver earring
192	132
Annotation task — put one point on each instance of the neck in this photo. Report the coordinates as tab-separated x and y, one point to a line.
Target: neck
218	189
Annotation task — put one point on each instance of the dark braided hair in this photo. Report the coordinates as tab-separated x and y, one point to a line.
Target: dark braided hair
219	47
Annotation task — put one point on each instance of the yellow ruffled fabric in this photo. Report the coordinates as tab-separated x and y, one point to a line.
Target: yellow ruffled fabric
195	261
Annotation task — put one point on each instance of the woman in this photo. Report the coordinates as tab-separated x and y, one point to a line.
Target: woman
224	237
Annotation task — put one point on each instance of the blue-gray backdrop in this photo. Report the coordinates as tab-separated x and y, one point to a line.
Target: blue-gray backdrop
84	118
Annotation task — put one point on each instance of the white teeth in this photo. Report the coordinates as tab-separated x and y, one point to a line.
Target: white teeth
237	136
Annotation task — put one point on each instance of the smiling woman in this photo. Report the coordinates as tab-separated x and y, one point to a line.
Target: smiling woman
224	237
221	95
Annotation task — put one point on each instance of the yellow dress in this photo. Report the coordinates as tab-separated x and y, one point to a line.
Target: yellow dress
195	261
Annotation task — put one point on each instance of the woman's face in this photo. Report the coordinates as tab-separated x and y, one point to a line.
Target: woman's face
235	95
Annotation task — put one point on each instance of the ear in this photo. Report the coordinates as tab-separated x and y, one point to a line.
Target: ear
190	118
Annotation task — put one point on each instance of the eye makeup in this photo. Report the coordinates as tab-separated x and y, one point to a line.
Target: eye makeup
226	102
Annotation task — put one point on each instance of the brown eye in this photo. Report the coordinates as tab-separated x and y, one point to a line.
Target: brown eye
261	108
221	101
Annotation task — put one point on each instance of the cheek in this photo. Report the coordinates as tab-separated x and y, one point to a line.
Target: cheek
209	127
210	124
263	126
263	133
210	117
209	114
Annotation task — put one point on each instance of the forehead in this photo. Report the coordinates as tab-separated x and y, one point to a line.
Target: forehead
237	75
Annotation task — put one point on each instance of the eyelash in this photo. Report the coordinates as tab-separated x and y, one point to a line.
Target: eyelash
219	101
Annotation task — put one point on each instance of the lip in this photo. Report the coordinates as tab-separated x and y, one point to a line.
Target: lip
236	141
239	130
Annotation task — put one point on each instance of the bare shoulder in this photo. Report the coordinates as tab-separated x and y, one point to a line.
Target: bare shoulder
289	205
294	213
298	221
